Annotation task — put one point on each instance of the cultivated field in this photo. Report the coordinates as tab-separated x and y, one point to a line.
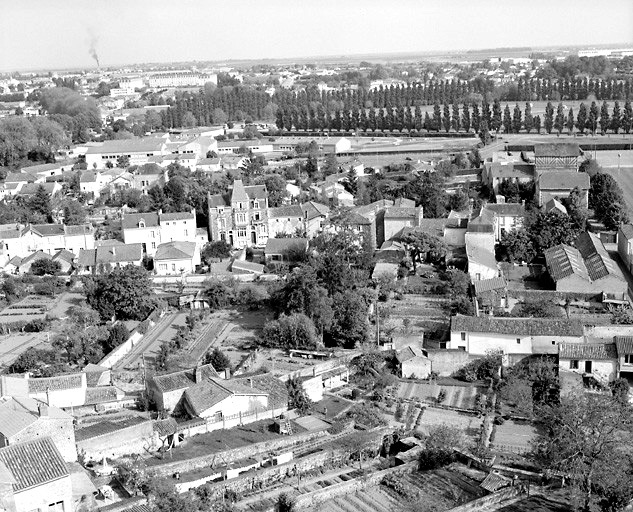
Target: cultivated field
462	397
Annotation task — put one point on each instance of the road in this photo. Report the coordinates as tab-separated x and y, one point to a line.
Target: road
150	343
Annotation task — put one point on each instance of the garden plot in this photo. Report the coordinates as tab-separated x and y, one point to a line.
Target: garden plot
461	397
31	307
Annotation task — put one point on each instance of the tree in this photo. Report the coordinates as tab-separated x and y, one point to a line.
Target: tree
537	309
528	121
350	326
117	335
570	121
507	119
604	117
627	117
423	245
495	123
74	214
592	120
218	249
484	134
607	201
516	119
218	359
124	293
41	203
559	121
582	438
620	389
549	117
581	120
285	503
548	229
44	266
616	117
295	331
217	293
622	315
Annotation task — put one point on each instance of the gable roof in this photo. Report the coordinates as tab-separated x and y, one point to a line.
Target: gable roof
517	326
106	427
175	251
48	229
314	210
488	285
267	382
118	253
595	351
238	193
284	245
30	189
216	200
176	216
293	210
182	379
506	209
58	383
597	260
206	394
132	220
564	261
563	180
256	191
559	149
624	345
33	463
401	212
18	413
19	177
627	231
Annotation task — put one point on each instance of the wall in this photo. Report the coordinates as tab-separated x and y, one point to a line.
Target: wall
416	368
313	388
236	404
481	343
42	496
486	502
61	431
131	440
624	250
284	443
603	371
126	347
445	362
549	344
608	331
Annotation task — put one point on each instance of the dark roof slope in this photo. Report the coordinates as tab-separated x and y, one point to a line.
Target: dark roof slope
556	149
624	345
597	260
595	351
563	180
183	379
517	326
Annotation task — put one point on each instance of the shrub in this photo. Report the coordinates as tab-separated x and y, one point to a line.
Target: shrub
434	458
37	325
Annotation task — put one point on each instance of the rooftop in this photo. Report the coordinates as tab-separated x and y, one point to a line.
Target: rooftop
58	383
563	180
293	210
133	220
559	149
285	245
517	326
33	463
106	427
17	413
594	351
175	251
143	145
182	379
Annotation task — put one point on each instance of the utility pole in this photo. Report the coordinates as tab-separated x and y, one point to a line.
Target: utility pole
377	318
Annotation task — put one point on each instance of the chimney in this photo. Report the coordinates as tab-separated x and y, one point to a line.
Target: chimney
42	410
198	374
227	373
250	382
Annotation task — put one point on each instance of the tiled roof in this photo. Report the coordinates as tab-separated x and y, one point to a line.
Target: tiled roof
205	395
556	149
276	389
48	229
165	427
487	285
216	200
479	252
30	189
555	204
93	374
284	245
177	216
58	383
182	379
101	394
624	345
106	427
353	219
506	209
19	177
64	254
315	210
175	251
127	146
627	231
87	257
511	170
39	255
256	191
564	261
369	210
79	229
563	180
33	463
293	210
17	413
132	220
493	482
238	193
404	212
403	202
594	351
517	326
119	253
597	260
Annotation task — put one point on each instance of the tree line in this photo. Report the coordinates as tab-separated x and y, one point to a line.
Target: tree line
214	105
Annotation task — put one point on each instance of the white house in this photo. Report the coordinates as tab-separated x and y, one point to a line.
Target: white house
176	258
599	360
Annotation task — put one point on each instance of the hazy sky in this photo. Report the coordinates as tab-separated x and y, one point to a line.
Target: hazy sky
57	33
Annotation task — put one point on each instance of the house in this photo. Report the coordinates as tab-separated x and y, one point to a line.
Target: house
216	399
598	360
495	173
52	169
244	146
413	363
241	219
285	250
556	156
491	293
25	263
31	189
559	184
507	217
25	419
154	228
167	390
395	218
624	347
106	257
479	335
49	238
138	151
315	216
586	268
480	247
334	194
555	204
285	220
176	258
326	145
92	183
233	162
35	477
147	176
65	259
209	164
625	245
121	182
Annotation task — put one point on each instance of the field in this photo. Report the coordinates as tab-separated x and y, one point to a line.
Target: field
462	397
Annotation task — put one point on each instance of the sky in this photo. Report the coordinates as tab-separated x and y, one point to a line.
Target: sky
57	34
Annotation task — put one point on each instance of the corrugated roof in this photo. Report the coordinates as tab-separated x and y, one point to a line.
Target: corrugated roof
624	345
33	463
563	180
597	260
518	326
593	351
564	261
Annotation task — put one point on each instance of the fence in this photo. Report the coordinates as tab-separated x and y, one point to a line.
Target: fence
231	421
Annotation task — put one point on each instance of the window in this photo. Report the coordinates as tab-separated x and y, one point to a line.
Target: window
163	266
153	245
186	233
553	342
56	507
628	358
518	341
256	205
141	223
573	364
241	233
463	336
152	234
240	217
256	216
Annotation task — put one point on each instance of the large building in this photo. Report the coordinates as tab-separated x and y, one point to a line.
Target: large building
241	218
138	151
557	156
182	79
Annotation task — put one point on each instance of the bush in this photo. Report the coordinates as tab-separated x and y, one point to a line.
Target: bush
37	325
433	458
42	267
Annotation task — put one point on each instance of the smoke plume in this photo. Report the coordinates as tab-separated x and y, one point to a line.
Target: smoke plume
93	49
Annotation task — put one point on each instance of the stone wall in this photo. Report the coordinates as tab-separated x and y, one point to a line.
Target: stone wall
131	440
244	452
485	502
444	362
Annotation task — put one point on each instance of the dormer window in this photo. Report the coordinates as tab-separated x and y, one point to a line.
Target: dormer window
256	205
141	223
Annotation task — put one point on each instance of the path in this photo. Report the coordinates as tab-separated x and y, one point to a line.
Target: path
150	343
